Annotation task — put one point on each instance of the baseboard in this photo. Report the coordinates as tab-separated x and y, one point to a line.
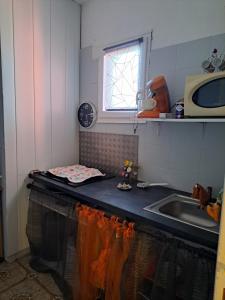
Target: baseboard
18	255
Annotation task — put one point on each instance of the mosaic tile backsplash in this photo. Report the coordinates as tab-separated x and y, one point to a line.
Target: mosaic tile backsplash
107	151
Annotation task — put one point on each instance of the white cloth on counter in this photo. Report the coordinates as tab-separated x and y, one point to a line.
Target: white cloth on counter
76	173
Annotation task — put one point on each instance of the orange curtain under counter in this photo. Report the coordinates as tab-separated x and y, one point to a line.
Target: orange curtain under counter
103	246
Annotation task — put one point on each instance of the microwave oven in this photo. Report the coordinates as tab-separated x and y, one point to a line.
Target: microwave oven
204	95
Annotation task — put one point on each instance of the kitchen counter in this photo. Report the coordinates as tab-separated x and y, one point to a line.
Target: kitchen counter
129	204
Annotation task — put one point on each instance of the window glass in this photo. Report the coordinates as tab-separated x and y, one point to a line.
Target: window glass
211	94
121	77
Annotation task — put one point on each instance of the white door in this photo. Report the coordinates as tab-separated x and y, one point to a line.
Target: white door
219	291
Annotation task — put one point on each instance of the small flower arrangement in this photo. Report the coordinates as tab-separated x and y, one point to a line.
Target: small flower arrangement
127	172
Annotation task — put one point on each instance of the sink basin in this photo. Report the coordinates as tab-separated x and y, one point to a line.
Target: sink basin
184	209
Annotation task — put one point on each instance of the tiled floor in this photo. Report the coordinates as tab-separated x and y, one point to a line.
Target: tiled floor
19	282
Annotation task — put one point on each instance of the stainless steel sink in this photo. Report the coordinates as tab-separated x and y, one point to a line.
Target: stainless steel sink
184	209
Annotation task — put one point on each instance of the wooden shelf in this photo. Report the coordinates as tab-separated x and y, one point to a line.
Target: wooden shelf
194	120
144	120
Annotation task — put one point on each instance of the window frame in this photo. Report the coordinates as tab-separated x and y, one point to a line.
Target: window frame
121	116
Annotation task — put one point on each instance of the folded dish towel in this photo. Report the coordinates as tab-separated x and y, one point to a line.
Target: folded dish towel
76	173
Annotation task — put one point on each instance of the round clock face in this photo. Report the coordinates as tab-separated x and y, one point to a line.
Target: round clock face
87	115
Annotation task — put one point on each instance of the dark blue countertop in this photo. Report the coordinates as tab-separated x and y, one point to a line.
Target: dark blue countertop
129	204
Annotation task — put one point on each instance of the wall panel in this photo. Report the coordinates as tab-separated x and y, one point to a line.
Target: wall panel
10	216
25	104
58	79
72	81
40	53
24	84
42	88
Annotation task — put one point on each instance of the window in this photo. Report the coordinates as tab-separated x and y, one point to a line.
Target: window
122	76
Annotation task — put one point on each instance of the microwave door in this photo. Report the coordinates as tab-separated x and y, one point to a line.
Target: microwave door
211	94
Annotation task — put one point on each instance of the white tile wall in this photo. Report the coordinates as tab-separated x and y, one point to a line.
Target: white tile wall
190	54
180	154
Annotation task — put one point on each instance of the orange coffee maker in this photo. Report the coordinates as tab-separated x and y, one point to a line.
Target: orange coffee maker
156	100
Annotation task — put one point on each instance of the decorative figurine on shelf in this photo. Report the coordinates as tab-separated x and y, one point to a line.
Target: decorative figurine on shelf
215	63
126	174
